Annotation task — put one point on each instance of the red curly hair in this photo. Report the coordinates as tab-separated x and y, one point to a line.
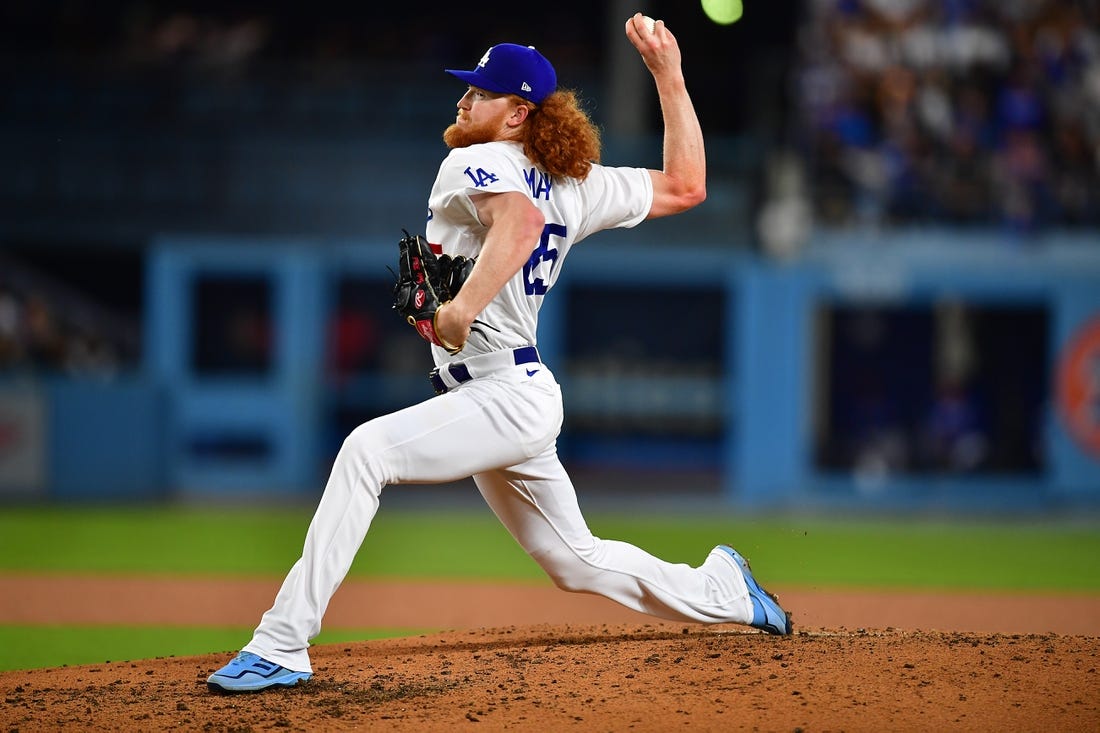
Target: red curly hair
560	138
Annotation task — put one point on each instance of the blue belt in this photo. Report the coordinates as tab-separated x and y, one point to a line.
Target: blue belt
461	373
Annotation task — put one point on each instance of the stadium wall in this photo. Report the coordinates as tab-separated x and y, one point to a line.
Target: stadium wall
195	424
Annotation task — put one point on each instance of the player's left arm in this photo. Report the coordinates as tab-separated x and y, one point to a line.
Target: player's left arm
515	225
682	182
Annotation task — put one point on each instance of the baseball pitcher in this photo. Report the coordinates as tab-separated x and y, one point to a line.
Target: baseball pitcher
521	185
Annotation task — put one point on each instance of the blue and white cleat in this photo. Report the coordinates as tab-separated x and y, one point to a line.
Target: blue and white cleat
251	673
767	615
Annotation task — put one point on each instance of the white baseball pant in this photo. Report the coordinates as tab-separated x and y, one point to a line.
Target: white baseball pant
502	430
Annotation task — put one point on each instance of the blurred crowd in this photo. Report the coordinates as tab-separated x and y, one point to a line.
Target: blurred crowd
961	112
38	336
229	37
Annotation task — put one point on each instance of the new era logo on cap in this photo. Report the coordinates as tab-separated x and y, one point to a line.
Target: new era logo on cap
508	68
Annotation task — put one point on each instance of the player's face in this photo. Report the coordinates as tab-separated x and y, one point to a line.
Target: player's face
480	118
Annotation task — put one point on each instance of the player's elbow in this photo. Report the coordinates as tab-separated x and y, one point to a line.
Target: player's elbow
694	196
675	194
534	221
528	231
692	190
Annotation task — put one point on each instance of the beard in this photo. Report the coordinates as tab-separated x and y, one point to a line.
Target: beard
465	135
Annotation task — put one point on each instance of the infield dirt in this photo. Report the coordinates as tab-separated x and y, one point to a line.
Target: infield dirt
858	661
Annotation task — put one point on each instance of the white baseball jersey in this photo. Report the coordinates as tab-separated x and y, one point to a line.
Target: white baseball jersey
607	198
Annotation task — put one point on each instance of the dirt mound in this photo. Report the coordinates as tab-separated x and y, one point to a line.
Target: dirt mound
647	677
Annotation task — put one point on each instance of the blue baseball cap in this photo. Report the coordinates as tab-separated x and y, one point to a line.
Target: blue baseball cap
508	68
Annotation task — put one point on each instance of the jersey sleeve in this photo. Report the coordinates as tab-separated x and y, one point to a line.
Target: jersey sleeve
615	197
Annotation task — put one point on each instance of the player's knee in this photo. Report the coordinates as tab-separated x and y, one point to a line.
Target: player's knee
364	440
565	580
362	449
568	571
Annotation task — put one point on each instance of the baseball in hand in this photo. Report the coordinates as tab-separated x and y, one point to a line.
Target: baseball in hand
650	24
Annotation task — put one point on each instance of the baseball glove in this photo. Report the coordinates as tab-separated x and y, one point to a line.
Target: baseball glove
425	282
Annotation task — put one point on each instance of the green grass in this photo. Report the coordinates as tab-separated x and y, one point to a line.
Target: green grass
472	544
37	647
890	553
787	551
